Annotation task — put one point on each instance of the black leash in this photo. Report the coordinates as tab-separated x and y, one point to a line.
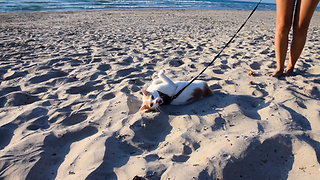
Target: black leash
175	96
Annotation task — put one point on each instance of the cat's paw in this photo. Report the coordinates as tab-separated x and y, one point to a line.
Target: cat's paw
161	72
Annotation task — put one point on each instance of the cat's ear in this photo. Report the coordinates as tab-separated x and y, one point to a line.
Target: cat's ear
143	107
146	93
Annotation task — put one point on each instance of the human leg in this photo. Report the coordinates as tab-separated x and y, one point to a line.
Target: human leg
285	10
302	17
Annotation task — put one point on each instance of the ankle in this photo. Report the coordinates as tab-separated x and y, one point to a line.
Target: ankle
289	72
279	70
289	67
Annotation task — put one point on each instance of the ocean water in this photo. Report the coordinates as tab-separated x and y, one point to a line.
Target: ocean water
75	5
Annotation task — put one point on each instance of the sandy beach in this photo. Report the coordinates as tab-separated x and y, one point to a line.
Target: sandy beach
70	93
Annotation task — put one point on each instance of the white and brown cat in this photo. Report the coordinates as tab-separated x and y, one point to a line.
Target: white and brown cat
161	89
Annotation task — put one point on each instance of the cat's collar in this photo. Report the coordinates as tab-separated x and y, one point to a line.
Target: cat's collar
166	99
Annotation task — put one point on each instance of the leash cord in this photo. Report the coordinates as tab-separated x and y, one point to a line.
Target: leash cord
176	95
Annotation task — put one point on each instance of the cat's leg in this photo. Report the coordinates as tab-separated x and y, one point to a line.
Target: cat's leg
156	81
169	87
165	79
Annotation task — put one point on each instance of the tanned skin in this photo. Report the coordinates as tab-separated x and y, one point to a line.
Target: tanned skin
299	19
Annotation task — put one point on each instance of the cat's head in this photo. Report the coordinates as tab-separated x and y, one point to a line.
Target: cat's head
151	100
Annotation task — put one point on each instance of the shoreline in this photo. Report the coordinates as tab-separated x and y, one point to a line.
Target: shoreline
123	5
70	93
135	9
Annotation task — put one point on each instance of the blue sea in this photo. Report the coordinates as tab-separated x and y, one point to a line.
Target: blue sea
76	5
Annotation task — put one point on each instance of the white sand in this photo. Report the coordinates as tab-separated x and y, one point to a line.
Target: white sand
70	93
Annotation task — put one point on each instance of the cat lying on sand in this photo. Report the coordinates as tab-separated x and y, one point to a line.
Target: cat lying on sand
160	91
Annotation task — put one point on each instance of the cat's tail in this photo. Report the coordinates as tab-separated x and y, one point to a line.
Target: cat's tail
206	90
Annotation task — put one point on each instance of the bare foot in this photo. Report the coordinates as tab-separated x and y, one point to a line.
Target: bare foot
289	72
275	74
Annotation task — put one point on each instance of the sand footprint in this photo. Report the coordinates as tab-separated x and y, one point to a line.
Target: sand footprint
133	104
108	96
17	99
176	62
104	67
54	150
6	133
149	133
126	72
7	90
13	74
74	118
314	92
10	132
52	74
249	106
255	65
39	123
184	156
70	114
117	153
84	89
271	159
314	71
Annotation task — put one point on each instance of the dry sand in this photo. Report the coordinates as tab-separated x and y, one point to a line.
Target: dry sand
70	93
